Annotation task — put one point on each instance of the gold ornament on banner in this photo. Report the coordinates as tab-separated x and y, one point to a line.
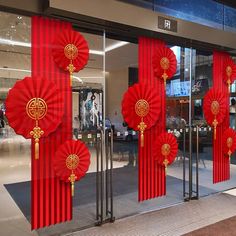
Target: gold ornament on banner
165	151
165	64
36	109
229	72
142	109
71	52
229	143
215	108
72	162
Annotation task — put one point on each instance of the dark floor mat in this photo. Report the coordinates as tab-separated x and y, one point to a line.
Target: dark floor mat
125	181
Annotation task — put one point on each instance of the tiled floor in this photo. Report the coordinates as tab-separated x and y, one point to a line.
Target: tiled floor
172	221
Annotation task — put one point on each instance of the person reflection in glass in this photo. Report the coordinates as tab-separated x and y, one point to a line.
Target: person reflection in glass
232	112
76	127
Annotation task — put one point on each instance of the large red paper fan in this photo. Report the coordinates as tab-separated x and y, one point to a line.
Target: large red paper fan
214	107
130	98
165	149
164	63
25	90
75	41
71	158
229	142
229	72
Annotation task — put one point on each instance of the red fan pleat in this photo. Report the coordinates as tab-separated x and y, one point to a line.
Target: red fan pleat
214	95
132	95
165	138
160	53
22	92
229	142
71	147
229	72
75	38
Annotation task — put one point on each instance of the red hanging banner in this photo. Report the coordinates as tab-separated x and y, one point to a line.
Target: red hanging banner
152	182
221	170
50	198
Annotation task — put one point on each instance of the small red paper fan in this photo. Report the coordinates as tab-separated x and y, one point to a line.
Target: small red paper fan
71	161
229	72
80	58
229	142
18	98
214	107
132	96
164	62
165	148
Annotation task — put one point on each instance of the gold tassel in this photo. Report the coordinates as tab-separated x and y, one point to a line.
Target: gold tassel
71	77
142	139
215	123
72	189
229	153
36	133
142	126
214	132
166	162
71	69
165	76
228	82
72	179
36	148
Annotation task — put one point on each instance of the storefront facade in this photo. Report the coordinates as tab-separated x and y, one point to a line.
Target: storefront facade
121	180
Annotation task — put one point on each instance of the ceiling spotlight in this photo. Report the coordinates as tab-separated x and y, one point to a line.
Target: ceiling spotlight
19	17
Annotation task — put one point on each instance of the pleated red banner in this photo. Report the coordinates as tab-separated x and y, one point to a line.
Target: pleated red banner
50	198
221	164
152	182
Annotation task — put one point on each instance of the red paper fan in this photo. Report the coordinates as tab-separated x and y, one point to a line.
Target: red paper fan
164	63
214	108
34	102
71	161
141	107
229	72
70	51
165	149
229	141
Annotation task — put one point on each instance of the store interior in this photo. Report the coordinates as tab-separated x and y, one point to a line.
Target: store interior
97	93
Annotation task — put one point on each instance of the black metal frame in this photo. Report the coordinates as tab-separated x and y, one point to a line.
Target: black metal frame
104	188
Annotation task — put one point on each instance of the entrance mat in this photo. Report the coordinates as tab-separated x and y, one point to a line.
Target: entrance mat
224	227
125	181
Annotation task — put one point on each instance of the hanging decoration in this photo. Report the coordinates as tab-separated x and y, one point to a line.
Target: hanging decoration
70	51
229	73
34	108
229	142
141	107
214	108
71	162
165	149
164	63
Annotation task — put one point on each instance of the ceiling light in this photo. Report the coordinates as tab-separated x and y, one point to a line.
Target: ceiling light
14	43
96	52
91	51
116	45
14	69
78	78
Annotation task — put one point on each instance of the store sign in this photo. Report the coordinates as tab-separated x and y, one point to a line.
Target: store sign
167	24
